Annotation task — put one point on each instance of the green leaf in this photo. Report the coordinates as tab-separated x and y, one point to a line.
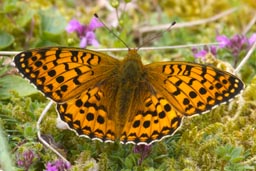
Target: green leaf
29	131
130	161
3	68
6	39
15	83
27	15
45	43
52	24
10	5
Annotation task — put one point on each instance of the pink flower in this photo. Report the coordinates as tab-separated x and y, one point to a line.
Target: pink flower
236	44
50	167
223	40
143	150
252	39
85	32
58	165
27	159
202	53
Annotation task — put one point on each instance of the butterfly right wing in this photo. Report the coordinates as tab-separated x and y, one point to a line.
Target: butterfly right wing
174	90
193	88
63	73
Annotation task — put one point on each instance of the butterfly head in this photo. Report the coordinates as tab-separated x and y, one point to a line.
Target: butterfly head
133	54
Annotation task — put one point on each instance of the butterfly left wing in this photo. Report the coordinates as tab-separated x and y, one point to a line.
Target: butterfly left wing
92	113
62	73
193	88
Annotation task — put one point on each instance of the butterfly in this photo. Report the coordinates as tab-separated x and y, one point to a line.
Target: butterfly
106	99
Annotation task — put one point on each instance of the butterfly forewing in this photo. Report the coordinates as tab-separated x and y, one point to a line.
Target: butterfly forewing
193	88
64	73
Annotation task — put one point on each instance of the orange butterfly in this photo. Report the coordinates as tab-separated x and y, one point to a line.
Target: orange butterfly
103	98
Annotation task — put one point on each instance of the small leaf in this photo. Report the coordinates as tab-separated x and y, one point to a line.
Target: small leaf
130	161
29	131
6	39
15	83
45	43
10	6
52	24
27	15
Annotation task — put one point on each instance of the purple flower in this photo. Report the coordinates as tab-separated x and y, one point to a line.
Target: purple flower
51	167
143	150
202	53
236	44
74	25
26	159
252	39
85	32
58	165
223	40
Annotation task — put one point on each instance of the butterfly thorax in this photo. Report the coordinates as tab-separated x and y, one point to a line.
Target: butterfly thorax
131	76
131	70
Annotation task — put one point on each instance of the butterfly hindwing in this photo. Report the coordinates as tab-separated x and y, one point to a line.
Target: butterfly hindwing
155	120
193	88
90	114
63	73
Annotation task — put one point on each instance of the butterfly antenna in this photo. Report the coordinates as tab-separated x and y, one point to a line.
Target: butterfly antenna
111	31
159	34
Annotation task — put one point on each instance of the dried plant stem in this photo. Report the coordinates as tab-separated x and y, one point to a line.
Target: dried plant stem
11	53
142	30
39	132
249	25
247	56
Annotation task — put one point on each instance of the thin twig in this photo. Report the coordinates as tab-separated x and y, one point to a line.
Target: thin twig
249	25
142	30
39	121
247	56
11	53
